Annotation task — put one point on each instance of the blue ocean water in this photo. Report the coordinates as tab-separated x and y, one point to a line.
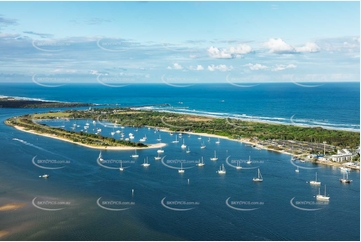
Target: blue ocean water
157	202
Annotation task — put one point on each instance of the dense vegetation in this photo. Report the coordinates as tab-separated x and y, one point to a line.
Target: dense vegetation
17	103
225	127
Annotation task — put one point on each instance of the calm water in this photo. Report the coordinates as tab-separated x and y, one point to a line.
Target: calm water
256	211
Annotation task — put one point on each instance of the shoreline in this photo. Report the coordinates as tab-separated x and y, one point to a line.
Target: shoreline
150	146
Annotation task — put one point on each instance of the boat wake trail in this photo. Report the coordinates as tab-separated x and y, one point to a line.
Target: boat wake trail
34	146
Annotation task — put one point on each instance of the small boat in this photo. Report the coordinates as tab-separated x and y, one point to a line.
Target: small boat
175	141
218	141
215	157
94	122
209	139
238	167
44	176
199	137
118	131
159	139
259	177
143	139
170	133
201	163
221	170
100	156
345	178
181	170
344	169
158	157
135	154
249	160
315	182
146	164
203	145
297	170
160	151
180	135
322	197
112	133
121	166
188	151
183	146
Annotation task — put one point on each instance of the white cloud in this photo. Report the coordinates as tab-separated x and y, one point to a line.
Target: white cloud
279	46
310	47
220	68
175	66
230	53
256	67
197	68
283	67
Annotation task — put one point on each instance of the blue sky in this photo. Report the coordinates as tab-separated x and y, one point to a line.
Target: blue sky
176	42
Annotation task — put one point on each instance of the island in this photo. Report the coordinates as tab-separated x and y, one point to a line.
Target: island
314	144
11	102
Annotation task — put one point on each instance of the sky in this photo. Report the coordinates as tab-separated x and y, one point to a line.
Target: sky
179	42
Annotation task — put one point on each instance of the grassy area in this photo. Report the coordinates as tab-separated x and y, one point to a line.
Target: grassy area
51	115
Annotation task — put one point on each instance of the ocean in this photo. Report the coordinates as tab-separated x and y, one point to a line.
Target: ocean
88	199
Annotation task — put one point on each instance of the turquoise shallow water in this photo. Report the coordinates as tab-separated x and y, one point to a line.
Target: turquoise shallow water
165	204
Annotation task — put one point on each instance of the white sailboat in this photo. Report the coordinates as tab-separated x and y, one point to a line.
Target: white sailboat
176	140
121	166
203	145
181	170
44	176
249	160
188	151
322	197
146	164
158	157
143	139
345	178
238	167
218	141
199	137
221	170
315	182
159	139
135	155
100	156
297	170
160	151
215	157
201	163
259	177
183	146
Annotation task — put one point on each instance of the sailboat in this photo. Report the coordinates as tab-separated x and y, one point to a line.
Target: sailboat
188	151
100	156
249	160
345	178
238	167
201	163
181	170
176	140
215	157
218	141
159	139
209	139
158	157
221	170
135	154
259	177
199	137
160	151
203	146
121	166
146	164
322	197
315	182
143	139
297	170
183	146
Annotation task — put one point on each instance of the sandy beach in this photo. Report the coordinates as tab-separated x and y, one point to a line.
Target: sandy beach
150	146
